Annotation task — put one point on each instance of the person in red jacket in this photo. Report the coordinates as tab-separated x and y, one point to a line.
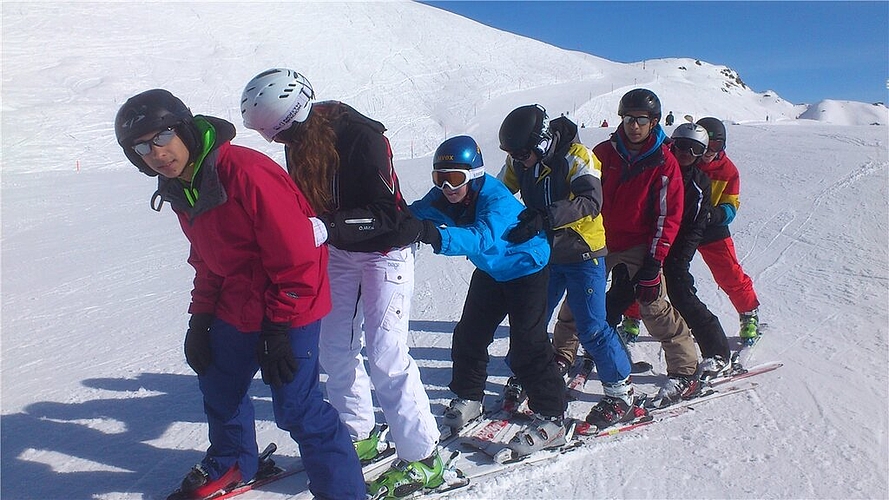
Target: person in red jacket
260	291
717	248
642	207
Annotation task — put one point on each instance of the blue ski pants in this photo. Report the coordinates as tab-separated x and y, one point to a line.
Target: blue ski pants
584	283
325	445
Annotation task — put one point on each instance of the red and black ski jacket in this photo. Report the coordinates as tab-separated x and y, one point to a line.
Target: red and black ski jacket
370	211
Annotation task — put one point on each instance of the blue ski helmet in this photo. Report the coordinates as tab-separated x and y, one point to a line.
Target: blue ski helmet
458	152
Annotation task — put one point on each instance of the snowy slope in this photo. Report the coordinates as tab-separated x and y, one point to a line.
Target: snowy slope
97	401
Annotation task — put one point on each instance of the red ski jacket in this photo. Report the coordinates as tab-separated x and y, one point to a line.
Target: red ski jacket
642	198
252	244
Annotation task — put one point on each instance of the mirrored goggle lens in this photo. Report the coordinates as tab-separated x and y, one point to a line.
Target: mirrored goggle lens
641	120
716	146
161	139
693	148
453	179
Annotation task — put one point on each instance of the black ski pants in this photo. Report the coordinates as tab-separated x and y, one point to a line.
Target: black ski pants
705	326
531	354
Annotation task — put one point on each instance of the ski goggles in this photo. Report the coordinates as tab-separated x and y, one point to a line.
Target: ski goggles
639	120
160	139
716	146
455	178
520	155
693	148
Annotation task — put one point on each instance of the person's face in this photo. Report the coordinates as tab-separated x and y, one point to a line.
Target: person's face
686	151
713	150
635	129
455	195
526	159
168	155
684	157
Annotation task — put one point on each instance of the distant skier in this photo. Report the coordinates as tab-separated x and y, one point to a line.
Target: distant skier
668	120
717	248
260	291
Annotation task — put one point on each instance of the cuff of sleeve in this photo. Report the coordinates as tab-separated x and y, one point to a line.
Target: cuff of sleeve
319	229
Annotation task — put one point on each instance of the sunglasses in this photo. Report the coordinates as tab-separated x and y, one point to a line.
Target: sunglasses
160	139
716	146
521	155
452	178
639	120
693	148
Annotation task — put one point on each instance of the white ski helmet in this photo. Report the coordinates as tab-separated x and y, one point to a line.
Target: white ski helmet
274	99
692	132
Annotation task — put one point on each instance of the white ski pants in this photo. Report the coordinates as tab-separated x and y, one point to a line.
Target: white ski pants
375	290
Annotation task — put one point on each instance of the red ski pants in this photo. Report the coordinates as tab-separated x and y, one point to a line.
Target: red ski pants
720	257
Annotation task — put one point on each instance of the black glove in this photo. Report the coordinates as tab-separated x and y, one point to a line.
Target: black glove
717	216
275	354
430	235
197	342
648	281
531	222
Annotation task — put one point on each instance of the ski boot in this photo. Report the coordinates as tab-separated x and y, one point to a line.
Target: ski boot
198	484
564	366
375	447
513	395
460	412
615	407
749	327
714	367
541	434
629	329
676	389
405	478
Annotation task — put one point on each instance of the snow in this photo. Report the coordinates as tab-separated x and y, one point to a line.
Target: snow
97	401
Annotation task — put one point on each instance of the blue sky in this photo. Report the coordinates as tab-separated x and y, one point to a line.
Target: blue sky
804	51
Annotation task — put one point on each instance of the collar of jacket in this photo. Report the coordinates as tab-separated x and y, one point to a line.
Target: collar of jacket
204	191
651	146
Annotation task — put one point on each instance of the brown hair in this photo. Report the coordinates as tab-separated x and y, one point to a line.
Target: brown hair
312	159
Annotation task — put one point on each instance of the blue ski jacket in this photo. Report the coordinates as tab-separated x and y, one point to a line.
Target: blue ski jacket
477	228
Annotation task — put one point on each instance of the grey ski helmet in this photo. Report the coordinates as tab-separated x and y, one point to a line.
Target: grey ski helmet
692	132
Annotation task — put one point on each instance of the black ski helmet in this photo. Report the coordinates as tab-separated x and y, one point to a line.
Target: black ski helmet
151	111
715	128
640	100
524	129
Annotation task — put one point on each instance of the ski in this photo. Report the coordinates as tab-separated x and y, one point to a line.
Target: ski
738	373
268	472
578	434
